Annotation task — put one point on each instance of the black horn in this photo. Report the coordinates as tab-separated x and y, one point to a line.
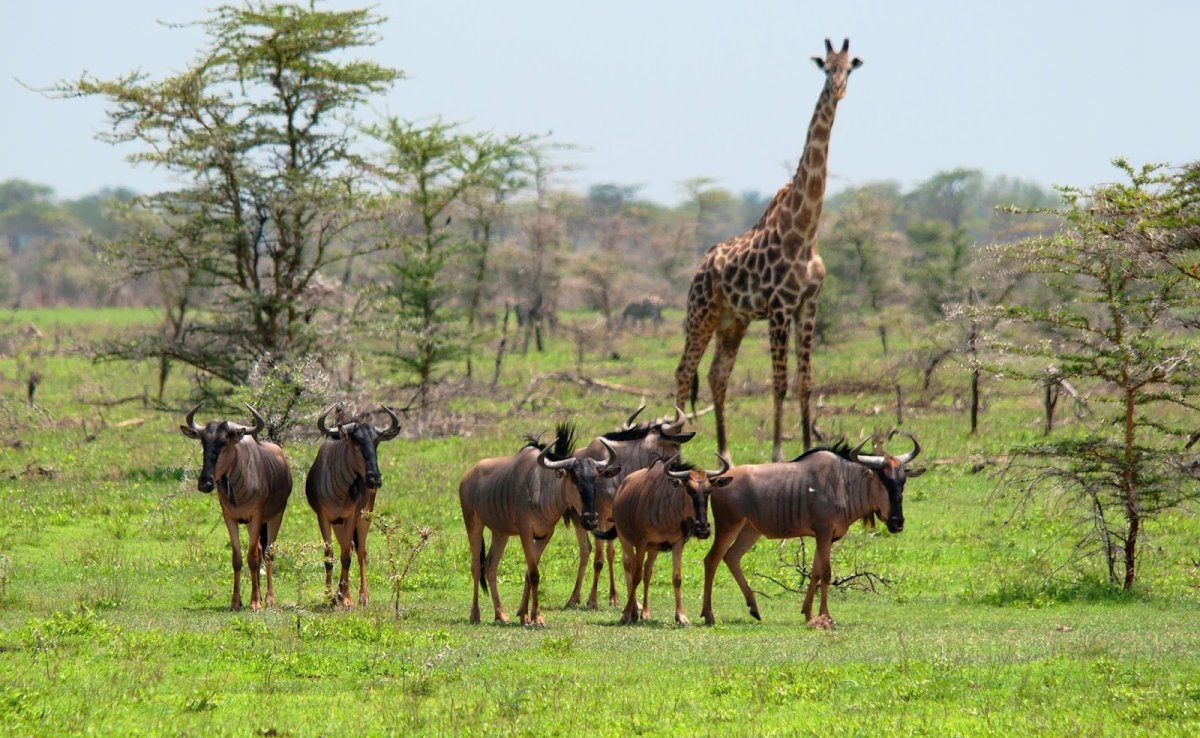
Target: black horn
905	458
680	474
325	429
612	455
875	462
394	429
191	420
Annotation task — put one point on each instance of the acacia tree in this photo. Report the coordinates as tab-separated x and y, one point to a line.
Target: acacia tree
1128	264
427	169
255	131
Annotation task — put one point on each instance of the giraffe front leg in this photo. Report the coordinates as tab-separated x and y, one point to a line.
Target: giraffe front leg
805	328
728	340
778	329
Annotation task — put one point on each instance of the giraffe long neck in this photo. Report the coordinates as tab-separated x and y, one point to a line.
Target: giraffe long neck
799	203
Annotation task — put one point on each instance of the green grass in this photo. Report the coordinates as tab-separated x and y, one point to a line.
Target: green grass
115	582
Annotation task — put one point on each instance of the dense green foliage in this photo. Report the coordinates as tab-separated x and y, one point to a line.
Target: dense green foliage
114	585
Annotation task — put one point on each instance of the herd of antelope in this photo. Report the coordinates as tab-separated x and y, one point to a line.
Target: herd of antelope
630	484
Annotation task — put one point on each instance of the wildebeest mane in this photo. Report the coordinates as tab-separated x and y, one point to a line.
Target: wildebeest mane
841	448
636	433
681	465
561	447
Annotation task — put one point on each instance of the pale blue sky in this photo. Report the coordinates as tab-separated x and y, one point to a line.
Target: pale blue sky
655	93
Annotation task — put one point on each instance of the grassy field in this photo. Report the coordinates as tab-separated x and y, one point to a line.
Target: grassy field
115	578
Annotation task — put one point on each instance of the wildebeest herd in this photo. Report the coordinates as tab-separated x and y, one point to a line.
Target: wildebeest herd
630	484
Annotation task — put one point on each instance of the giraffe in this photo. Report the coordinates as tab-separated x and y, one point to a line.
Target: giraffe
771	272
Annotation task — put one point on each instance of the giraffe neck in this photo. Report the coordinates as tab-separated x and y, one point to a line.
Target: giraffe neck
796	209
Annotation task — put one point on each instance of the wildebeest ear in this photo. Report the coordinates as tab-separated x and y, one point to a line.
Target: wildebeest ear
675	481
611	470
560	473
722	481
189	431
910	473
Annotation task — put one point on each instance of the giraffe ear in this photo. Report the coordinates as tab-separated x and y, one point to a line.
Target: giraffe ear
819	62
855	63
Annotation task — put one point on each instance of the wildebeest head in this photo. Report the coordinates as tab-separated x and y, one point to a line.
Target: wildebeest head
698	486
365	439
639	445
582	471
889	474
215	438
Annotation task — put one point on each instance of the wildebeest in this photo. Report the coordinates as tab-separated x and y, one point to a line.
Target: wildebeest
657	509
639	311
636	447
253	482
340	487
526	495
819	494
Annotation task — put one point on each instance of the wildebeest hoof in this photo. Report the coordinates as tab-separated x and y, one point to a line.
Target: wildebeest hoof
682	619
821	622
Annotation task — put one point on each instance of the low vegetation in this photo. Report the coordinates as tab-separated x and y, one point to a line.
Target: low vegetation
114	580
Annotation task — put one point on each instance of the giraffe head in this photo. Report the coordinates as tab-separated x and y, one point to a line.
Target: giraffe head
837	66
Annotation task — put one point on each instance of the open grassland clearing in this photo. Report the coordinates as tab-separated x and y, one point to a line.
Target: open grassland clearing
115	578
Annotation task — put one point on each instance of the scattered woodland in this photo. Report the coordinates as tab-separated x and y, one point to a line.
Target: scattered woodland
1039	342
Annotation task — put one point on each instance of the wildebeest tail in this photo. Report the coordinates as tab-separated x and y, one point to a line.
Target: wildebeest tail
264	539
483	568
695	389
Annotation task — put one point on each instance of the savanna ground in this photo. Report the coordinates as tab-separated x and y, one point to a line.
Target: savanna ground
115	578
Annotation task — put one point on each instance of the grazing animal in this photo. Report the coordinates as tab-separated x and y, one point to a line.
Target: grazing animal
657	509
253	482
636	447
526	495
340	487
771	272
639	311
819	494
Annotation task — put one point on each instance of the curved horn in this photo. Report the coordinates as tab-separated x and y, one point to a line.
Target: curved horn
191	420
680	474
629	423
724	468
259	423
612	455
828	46
905	458
566	463
875	462
675	425
845	45
394	429
325	429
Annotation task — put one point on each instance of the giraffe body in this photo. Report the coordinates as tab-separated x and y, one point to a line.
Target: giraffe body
771	272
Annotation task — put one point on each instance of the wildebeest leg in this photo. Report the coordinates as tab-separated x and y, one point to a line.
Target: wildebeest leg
729	338
612	580
362	525
345	537
677	582
631	562
490	566
530	611
327	536
585	552
598	567
474	543
235	543
726	532
269	556
647	570
779	324
733	559
254	551
821	569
